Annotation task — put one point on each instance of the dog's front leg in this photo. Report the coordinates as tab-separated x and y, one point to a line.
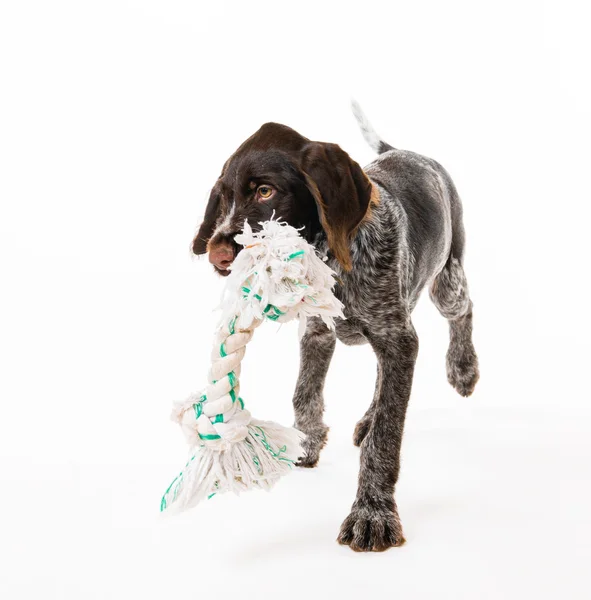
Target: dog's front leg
374	523
316	350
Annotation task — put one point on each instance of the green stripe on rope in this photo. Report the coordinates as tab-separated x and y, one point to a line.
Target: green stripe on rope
247	291
295	254
223	350
163	503
218	418
198	406
209	436
232	379
277	455
178	480
275	309
275	316
269	307
255	458
232	395
232	325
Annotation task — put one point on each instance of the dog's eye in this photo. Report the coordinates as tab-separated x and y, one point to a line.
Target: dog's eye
264	192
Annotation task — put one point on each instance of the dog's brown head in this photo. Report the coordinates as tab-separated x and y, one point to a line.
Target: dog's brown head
308	184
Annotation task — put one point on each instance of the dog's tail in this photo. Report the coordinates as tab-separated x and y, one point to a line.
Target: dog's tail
369	133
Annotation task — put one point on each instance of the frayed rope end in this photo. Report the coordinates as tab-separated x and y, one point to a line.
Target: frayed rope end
268	452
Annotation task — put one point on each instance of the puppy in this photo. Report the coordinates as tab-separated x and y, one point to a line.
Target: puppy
388	231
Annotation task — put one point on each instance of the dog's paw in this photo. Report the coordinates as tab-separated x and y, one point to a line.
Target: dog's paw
312	445
462	370
361	430
370	530
307	462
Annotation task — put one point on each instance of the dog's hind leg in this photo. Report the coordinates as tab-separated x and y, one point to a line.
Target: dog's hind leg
364	424
449	293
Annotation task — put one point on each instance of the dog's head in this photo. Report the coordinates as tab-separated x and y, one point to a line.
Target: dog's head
308	184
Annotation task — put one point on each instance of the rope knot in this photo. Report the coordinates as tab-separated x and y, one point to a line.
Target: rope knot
277	276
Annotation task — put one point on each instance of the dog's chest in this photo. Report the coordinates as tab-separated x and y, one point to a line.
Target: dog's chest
368	298
350	332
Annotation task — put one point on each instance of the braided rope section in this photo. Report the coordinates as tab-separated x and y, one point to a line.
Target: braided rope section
215	417
276	277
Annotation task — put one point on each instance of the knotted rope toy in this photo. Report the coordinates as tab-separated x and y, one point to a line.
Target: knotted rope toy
277	276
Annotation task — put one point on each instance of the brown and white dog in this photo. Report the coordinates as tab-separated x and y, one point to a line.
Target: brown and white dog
389	231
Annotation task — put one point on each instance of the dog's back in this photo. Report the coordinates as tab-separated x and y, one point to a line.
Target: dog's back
428	215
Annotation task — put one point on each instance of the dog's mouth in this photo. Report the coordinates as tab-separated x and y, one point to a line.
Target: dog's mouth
224	266
223	272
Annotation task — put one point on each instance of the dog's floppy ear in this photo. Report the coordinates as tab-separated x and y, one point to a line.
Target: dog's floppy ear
342	192
212	212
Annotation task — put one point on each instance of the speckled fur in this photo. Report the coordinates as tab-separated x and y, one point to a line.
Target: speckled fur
405	220
413	238
317	347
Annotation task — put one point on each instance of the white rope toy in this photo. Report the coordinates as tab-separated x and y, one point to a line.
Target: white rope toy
276	276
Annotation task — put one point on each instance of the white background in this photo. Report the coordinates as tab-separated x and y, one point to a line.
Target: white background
115	120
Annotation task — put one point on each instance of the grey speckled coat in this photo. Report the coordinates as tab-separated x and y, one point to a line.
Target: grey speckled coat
389	231
413	238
